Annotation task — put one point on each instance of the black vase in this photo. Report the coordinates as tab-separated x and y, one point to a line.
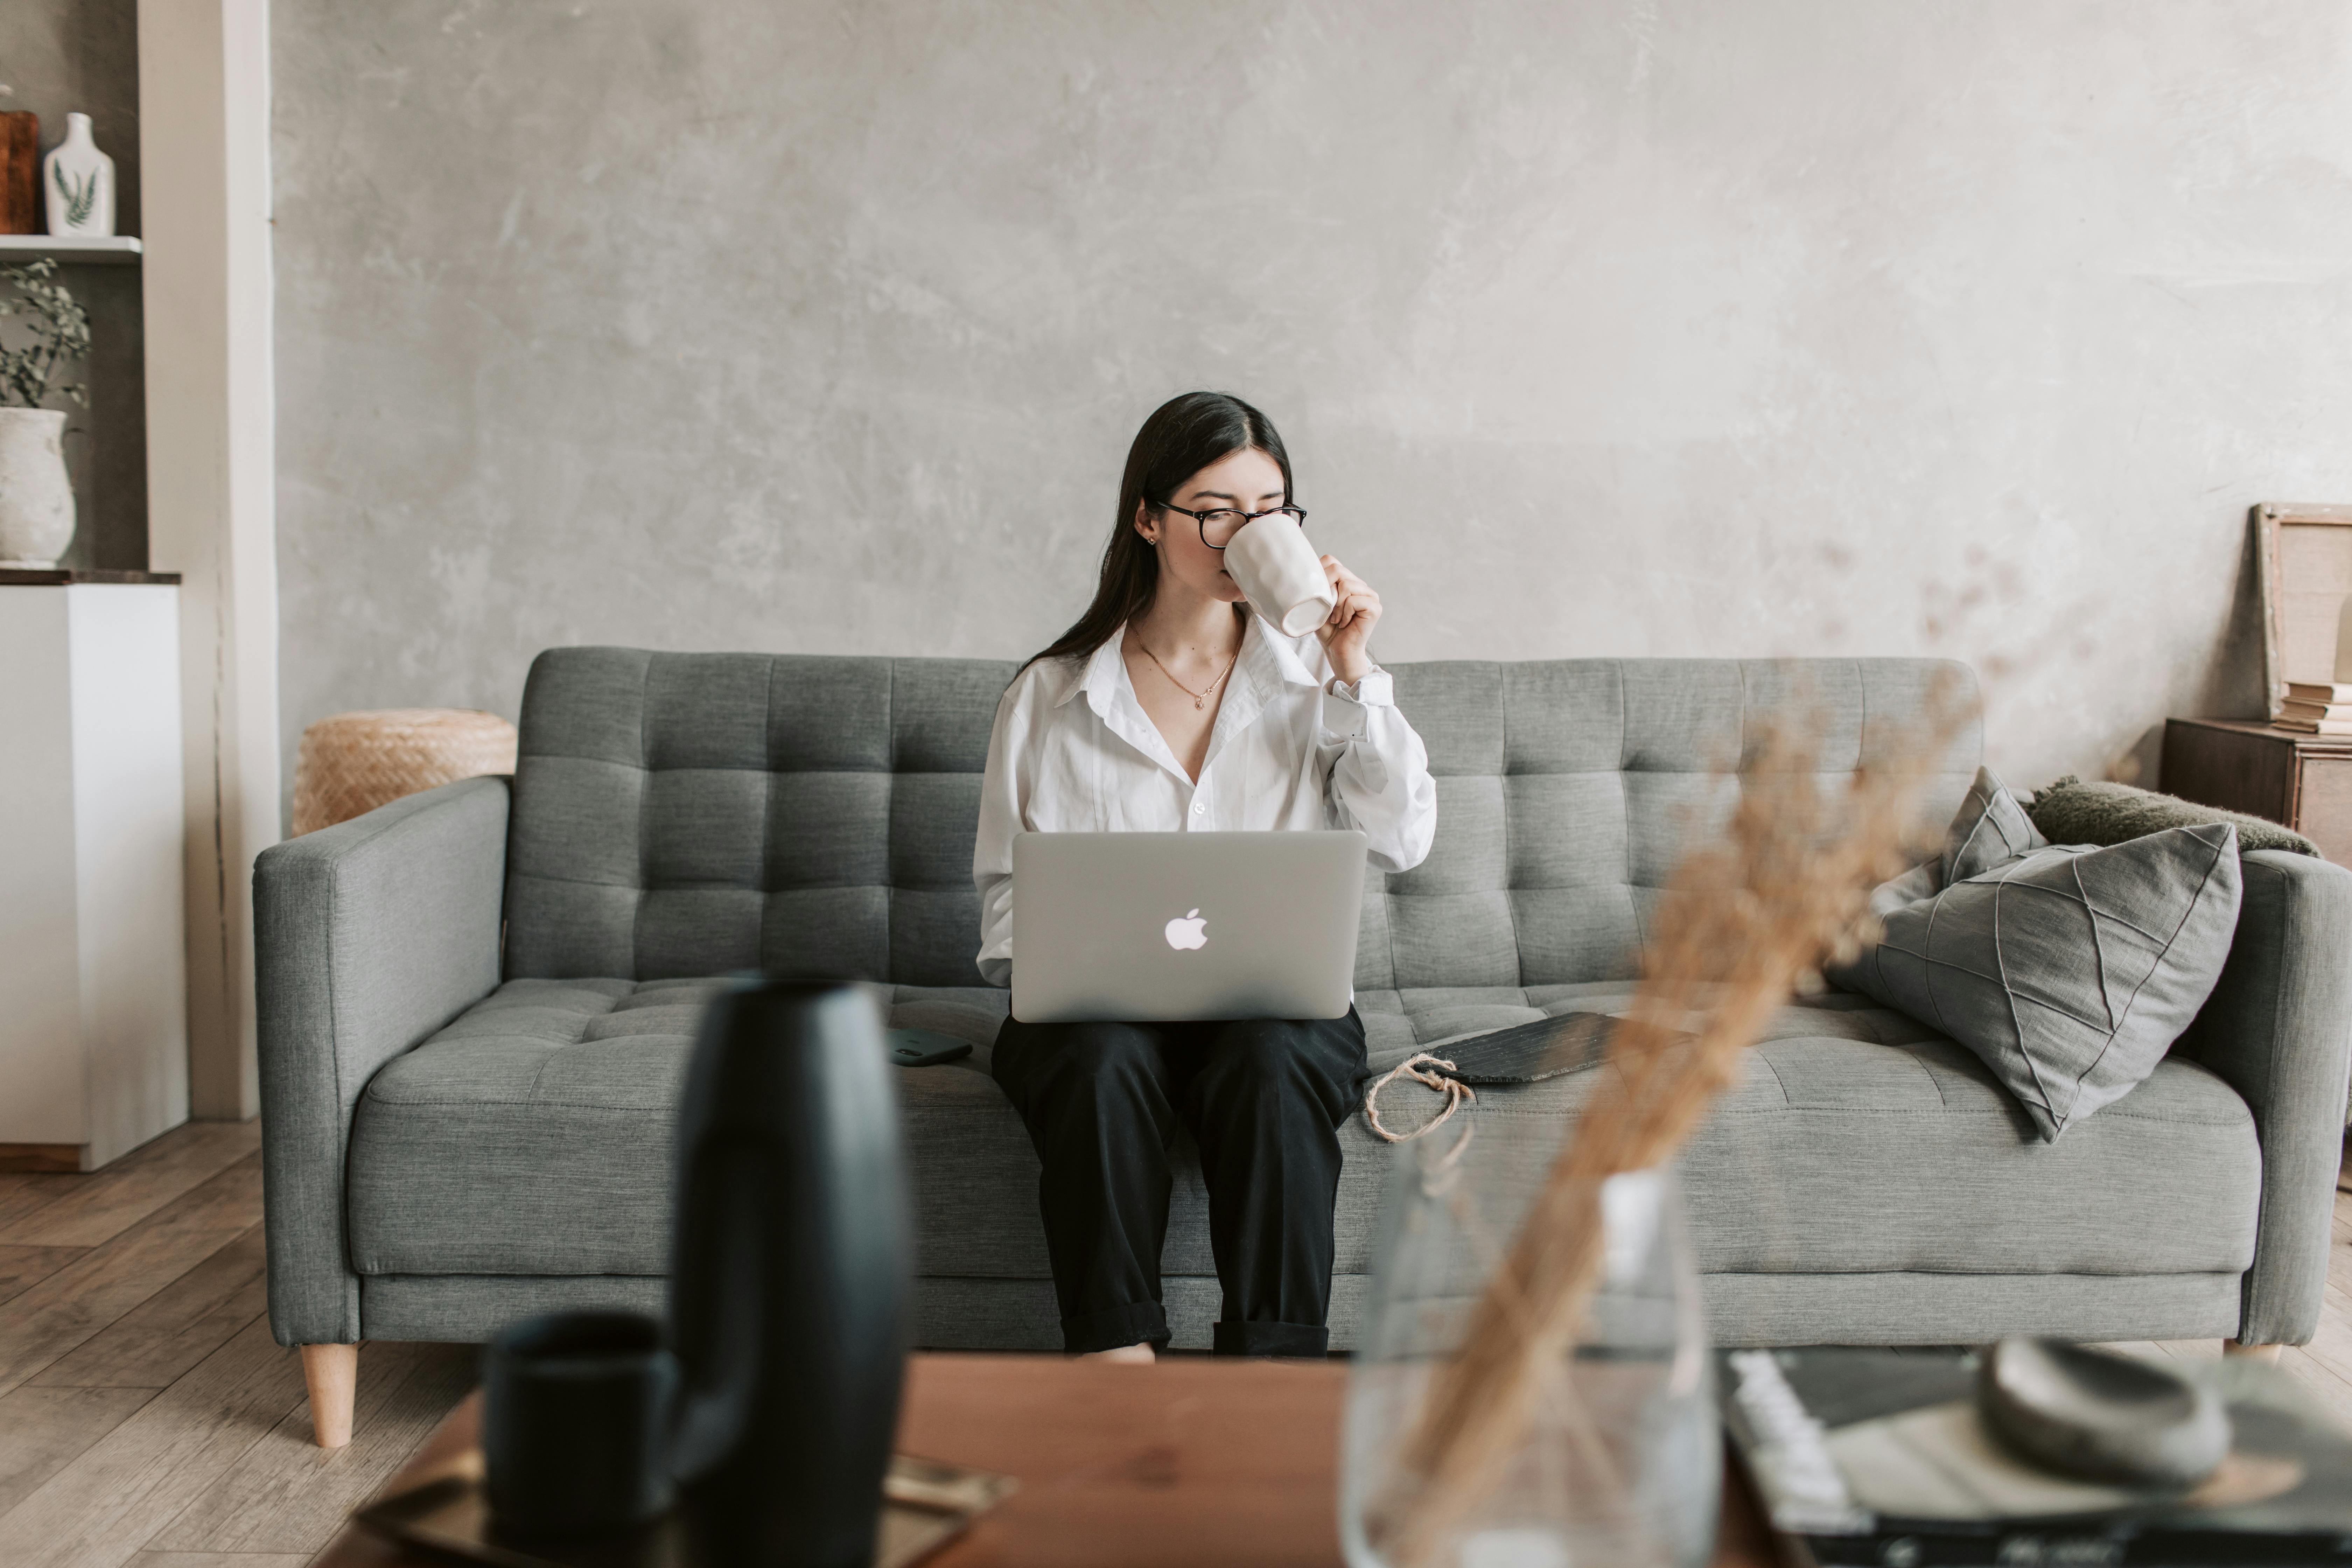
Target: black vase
788	1290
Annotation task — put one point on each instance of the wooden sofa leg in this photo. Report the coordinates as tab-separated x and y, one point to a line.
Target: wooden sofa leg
2251	1353
332	1375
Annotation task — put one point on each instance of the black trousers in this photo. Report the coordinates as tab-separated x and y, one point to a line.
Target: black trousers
1264	1099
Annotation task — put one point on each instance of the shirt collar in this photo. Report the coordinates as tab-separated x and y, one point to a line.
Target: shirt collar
1099	679
1268	661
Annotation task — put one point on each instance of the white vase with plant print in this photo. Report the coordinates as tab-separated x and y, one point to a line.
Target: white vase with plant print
78	180
50	332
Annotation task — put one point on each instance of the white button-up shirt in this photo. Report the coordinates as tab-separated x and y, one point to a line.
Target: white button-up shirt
1074	752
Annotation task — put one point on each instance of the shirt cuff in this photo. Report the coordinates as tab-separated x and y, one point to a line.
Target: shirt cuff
1344	705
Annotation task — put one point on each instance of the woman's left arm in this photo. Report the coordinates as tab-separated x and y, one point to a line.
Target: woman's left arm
1378	767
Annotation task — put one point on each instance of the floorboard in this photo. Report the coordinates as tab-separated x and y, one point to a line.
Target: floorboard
2190	1350
110	1502
230	1198
79	1300
21	1267
2332	1391
150	1345
287	1494
53	1317
24	1195
2332	1345
102	1206
44	1429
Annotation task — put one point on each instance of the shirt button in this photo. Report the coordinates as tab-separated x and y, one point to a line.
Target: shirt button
1198	809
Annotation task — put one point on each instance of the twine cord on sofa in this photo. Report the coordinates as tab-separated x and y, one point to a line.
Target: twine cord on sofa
1455	1091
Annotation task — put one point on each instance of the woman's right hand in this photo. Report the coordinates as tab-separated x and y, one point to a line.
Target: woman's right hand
1346	635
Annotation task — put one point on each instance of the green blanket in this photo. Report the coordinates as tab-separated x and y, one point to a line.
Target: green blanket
2073	812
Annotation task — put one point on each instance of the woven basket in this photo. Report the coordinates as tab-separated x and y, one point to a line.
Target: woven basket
353	762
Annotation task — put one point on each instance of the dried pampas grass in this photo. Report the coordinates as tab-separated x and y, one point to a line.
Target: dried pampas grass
1750	915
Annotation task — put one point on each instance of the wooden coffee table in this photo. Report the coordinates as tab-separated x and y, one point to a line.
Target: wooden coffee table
1187	1462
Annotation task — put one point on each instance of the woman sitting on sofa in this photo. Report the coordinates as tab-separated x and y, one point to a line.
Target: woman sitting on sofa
1116	727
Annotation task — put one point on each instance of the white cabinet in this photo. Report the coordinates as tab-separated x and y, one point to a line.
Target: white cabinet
93	1007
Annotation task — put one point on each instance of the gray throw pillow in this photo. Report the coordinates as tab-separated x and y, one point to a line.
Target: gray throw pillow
2072	811
2069	970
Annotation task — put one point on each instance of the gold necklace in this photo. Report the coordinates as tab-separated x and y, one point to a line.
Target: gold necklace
1201	696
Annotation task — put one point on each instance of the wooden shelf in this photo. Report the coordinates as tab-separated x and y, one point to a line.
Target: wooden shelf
119	250
55	577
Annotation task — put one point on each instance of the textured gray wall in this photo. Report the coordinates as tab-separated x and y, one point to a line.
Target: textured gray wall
1745	327
58	57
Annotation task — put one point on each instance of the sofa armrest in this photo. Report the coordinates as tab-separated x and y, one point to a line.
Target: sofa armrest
2278	1029
369	936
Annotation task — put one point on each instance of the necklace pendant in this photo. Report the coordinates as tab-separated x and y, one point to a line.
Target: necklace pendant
1196	702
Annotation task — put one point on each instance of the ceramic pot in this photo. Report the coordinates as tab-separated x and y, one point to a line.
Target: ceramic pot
77	181
37	504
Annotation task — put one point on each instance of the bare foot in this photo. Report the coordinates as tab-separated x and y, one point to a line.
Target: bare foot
1132	1355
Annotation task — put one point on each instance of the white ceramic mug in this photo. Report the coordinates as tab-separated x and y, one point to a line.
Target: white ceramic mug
1281	574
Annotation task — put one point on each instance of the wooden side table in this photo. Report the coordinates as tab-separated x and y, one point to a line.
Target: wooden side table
1183	1463
2300	780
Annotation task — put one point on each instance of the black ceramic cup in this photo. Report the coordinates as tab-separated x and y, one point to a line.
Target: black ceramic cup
575	1423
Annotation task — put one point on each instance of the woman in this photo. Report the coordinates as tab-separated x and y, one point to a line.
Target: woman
1168	707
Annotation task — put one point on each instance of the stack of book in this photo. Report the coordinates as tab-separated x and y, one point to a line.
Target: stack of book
2318	710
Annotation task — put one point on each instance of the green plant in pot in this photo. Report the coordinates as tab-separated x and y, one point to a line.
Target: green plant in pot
51	330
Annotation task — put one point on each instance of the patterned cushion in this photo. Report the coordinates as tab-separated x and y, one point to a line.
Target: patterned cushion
683	814
2071	970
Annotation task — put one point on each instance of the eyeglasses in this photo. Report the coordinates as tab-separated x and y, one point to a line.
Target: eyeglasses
1218	528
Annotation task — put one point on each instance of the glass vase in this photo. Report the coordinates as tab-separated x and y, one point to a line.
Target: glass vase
1620	1461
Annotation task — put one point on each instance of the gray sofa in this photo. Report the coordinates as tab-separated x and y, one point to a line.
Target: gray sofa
476	1004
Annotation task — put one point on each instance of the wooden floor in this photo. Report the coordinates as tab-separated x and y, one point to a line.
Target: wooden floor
147	1418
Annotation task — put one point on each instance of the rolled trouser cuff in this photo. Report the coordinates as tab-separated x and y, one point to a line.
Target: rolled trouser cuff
1308	1339
1114	1327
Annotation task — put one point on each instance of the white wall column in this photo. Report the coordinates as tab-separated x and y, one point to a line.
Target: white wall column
204	114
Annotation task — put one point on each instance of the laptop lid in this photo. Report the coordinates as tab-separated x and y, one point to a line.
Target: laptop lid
1161	927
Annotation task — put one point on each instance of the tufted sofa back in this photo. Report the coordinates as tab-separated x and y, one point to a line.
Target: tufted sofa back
695	814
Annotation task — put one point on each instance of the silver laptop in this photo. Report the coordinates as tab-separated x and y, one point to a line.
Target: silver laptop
1144	926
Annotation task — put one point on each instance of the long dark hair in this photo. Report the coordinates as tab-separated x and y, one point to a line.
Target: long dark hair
1183	435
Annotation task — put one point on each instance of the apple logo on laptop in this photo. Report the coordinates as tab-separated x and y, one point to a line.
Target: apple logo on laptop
1188	931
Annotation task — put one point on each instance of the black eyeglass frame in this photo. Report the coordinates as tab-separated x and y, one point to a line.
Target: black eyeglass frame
1297	515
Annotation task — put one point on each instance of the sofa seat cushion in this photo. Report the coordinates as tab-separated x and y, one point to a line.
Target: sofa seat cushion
1857	1140
531	1136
